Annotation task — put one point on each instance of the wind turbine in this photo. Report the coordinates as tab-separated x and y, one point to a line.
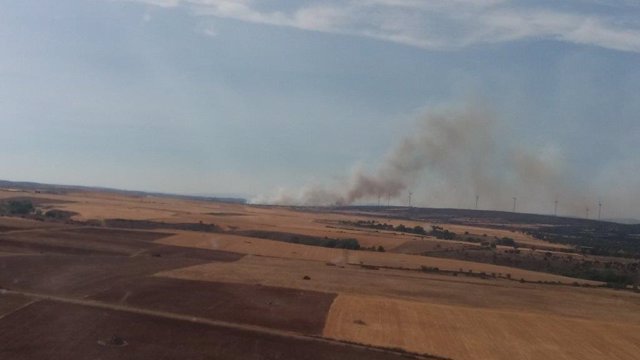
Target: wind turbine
599	209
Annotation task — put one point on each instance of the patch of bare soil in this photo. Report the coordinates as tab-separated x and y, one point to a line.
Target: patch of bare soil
281	308
48	329
100	241
84	275
11	302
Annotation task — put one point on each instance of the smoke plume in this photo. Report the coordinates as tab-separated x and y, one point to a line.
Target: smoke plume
452	156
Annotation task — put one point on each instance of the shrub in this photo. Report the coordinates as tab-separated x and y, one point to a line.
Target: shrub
506	241
419	230
18	207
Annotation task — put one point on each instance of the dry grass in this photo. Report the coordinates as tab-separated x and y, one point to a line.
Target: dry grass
252	246
19	224
284	220
464	333
519	237
605	305
247	245
243	217
96	205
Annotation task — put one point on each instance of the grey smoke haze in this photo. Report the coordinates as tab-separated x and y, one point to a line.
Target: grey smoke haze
450	157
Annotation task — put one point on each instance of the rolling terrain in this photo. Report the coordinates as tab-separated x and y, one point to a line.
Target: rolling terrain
88	273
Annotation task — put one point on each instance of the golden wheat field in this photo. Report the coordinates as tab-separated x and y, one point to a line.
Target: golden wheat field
465	333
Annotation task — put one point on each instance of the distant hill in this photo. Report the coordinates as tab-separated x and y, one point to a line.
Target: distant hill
61	189
595	237
627	221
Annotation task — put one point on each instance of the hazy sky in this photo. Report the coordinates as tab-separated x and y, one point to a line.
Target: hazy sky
244	97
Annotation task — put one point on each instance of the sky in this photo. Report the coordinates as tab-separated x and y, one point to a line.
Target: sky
256	98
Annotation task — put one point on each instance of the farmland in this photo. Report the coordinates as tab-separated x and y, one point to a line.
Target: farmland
86	273
460	332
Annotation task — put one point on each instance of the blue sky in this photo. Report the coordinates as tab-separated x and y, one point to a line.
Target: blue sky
244	97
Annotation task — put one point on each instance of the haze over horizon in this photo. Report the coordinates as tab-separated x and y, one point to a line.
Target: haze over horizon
272	99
